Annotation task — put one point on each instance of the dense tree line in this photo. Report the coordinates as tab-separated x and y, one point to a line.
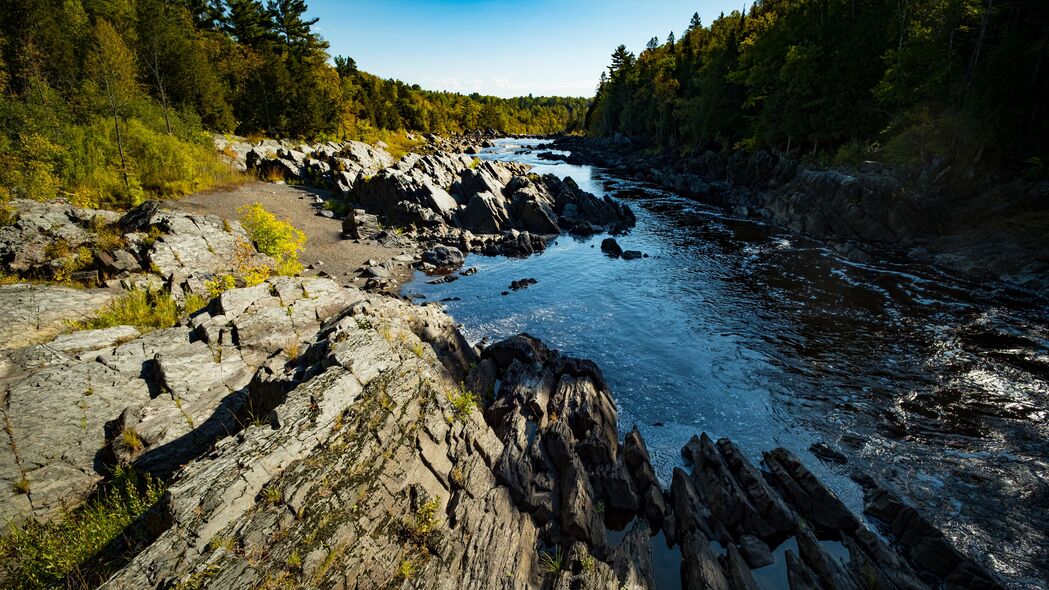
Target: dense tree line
106	100
902	80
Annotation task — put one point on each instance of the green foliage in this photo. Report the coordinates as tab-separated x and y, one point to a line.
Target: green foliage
106	103
423	526
144	309
220	284
552	562
21	486
464	402
274	237
39	555
272	495
962	79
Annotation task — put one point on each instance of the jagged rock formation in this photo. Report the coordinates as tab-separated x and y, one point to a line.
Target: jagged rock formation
494	208
154	401
976	225
359	462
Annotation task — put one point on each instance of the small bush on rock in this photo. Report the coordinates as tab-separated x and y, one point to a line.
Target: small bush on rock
274	237
464	402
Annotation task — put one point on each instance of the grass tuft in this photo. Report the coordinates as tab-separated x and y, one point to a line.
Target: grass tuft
21	486
144	309
54	554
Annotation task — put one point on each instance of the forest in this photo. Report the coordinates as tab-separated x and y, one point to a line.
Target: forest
104	101
842	81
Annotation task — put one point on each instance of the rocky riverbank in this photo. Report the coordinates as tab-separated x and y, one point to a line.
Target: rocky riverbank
445	204
984	227
311	432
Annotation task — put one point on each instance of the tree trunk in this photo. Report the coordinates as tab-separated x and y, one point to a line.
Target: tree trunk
155	66
979	47
120	140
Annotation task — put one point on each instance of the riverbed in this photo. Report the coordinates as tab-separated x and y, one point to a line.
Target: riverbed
933	383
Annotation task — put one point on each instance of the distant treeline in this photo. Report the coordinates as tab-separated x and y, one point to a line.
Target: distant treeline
107	100
900	80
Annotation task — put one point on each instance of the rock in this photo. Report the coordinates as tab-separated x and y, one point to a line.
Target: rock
826	453
350	229
807	494
140	218
478	537
483	179
755	552
118	262
444	257
378	271
611	247
522	284
632	254
519	245
485	213
193	248
700	569
30	314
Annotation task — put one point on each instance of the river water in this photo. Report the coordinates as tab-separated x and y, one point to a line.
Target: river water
935	384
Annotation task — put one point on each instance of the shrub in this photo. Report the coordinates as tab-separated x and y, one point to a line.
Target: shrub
129	436
8	215
274	237
39	555
220	284
423	526
71	262
464	402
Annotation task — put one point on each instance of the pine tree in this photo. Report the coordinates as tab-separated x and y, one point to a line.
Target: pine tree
696	23
292	28
621	59
248	21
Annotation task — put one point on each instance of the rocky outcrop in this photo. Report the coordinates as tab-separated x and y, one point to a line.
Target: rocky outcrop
46	238
338	165
153	401
315	434
443	197
30	314
369	462
147	247
934	213
191	249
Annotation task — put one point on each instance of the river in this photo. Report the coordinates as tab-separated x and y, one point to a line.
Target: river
935	384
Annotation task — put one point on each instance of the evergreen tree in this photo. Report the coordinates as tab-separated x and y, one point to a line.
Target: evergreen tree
248	21
696	22
291	26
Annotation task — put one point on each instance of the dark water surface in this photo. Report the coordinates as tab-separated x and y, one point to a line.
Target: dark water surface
936	384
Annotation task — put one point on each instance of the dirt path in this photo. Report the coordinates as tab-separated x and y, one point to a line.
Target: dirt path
326	250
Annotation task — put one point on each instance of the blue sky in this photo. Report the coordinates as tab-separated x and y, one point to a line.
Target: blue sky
500	47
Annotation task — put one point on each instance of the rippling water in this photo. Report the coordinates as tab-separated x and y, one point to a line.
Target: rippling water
935	384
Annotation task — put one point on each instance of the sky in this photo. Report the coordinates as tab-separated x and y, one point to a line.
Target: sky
500	47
